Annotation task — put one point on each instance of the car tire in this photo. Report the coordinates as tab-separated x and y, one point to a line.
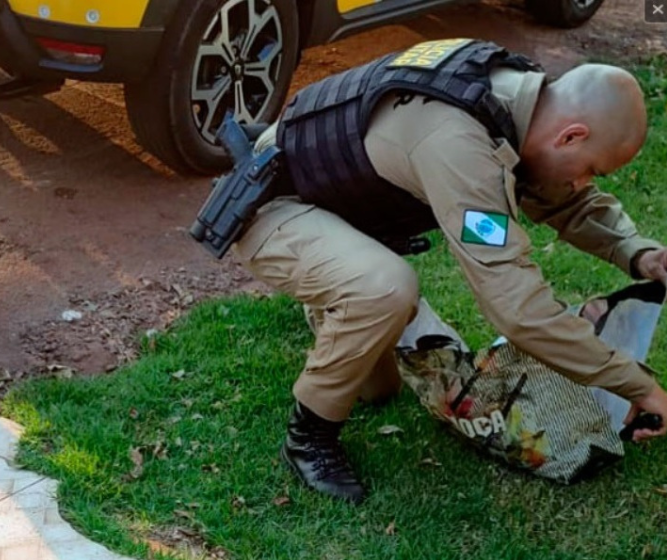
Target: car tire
217	56
563	13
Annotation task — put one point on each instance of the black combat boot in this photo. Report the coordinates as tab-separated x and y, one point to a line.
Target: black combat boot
313	451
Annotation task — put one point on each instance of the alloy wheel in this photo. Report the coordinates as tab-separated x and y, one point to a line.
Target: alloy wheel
237	65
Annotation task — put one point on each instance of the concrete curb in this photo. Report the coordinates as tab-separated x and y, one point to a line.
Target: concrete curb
30	525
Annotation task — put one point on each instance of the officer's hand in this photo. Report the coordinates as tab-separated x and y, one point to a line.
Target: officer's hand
654	403
652	265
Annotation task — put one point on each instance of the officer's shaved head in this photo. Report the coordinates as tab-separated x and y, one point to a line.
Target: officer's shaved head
590	121
607	99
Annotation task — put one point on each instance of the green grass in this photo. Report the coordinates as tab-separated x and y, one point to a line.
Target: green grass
206	405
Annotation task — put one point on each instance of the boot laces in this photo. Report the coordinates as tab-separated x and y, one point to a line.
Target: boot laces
330	460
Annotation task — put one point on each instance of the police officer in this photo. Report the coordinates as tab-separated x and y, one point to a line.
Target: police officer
460	135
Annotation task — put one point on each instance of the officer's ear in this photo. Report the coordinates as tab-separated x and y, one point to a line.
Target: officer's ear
572	134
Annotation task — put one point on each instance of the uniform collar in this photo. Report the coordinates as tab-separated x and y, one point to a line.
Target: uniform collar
525	103
518	91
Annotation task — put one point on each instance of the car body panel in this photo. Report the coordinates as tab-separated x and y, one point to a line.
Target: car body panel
335	20
131	30
159	13
115	14
321	22
345	6
352	9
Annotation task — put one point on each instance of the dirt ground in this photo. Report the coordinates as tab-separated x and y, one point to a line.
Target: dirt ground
94	250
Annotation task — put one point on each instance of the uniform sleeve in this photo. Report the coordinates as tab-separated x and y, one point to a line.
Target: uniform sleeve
466	186
592	221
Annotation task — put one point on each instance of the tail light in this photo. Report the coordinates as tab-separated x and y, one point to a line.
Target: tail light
72	53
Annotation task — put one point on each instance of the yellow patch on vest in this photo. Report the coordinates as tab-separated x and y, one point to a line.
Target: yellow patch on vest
430	54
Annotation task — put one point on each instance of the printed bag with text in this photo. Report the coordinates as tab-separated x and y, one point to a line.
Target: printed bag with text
515	408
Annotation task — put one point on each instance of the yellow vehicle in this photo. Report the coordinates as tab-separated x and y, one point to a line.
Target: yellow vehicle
186	63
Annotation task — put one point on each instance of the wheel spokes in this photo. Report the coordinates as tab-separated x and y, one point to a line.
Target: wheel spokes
262	68
214	49
211	95
240	107
237	64
257	24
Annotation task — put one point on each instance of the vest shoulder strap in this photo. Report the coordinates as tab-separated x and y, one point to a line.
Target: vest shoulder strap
461	79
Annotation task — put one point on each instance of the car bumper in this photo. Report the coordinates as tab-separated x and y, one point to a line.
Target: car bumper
128	54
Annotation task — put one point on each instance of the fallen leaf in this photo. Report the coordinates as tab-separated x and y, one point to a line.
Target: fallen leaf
238	501
65	373
391	529
158	547
177	288
60	371
180	374
183	513
134	413
255	293
138	461
662	490
281	501
90	306
431	462
160	450
389	430
185	532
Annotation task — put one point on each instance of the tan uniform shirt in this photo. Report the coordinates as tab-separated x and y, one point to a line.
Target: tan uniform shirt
445	158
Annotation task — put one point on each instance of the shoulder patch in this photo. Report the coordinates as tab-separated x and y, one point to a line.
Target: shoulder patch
430	54
485	228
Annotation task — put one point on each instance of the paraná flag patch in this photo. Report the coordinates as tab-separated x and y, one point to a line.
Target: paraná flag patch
485	228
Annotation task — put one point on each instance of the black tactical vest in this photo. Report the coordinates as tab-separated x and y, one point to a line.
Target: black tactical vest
322	128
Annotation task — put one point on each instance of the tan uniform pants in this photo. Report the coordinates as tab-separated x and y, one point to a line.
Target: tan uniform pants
361	294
